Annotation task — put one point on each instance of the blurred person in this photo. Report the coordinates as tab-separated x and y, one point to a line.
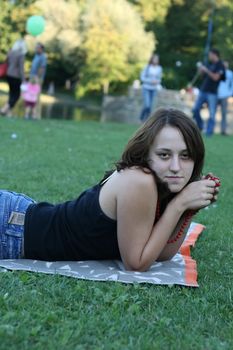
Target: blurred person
39	63
30	94
151	77
38	68
225	90
15	74
213	73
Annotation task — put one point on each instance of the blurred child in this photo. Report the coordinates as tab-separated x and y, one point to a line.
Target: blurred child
30	95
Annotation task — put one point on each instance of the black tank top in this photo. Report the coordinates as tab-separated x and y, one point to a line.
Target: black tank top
74	230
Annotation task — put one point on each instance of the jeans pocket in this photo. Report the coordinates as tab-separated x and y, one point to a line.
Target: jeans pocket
13	233
13	243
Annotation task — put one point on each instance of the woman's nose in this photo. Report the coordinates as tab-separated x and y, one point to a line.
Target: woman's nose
175	164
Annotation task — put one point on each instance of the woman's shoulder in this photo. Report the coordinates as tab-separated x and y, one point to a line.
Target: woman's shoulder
158	68
137	187
136	177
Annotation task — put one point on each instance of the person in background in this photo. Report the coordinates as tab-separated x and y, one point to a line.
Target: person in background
30	94
225	90
39	63
151	77
15	74
214	72
38	69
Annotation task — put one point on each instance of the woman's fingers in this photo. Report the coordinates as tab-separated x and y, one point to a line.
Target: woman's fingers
200	194
211	176
210	189
213	191
216	191
210	183
209	196
207	203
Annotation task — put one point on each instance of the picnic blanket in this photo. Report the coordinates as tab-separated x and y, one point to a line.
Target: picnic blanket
180	270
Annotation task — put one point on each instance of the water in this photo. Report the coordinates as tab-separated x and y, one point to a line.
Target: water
58	110
68	111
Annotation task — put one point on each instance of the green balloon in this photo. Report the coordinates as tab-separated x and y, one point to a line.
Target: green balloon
35	25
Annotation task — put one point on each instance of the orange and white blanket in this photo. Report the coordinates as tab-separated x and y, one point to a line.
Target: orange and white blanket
181	270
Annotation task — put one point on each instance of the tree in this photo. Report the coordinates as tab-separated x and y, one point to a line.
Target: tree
13	18
181	28
61	38
5	28
104	43
115	43
153	10
222	29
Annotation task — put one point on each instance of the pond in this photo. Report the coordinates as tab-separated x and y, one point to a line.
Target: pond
55	109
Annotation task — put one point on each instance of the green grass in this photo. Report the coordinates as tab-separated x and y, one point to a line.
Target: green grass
55	161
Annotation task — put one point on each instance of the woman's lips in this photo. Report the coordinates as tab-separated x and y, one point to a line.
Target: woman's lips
174	178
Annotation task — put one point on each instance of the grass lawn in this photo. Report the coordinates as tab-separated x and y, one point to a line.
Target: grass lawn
55	161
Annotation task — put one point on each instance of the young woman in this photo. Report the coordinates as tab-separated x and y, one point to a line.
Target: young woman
151	77
15	74
136	214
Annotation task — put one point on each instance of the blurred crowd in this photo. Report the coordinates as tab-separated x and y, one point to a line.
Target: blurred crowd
215	90
27	86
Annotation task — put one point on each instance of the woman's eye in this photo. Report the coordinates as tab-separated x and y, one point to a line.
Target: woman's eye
163	155
185	156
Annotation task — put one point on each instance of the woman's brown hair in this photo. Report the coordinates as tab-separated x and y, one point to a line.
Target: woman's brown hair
137	150
151	60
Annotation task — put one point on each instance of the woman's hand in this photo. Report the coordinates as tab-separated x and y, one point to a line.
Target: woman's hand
217	181
197	195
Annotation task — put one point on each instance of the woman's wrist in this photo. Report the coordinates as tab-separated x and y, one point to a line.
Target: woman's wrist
184	224
179	204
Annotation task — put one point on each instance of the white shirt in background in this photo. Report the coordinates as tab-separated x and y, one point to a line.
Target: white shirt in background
149	74
225	88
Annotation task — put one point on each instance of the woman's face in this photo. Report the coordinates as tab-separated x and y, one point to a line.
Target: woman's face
169	158
155	60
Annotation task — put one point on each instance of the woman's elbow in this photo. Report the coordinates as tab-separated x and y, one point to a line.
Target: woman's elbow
165	257
136	266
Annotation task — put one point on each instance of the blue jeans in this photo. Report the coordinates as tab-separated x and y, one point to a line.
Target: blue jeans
223	104
148	97
211	100
13	207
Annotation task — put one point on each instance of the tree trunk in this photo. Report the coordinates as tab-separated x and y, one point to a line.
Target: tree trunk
106	87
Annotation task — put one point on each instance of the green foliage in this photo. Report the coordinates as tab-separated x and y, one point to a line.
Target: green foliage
102	43
93	42
13	18
115	43
153	10
186	37
223	26
5	29
61	38
55	161
182	34
20	12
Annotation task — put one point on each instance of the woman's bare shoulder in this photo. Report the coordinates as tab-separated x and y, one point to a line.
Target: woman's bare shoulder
136	178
